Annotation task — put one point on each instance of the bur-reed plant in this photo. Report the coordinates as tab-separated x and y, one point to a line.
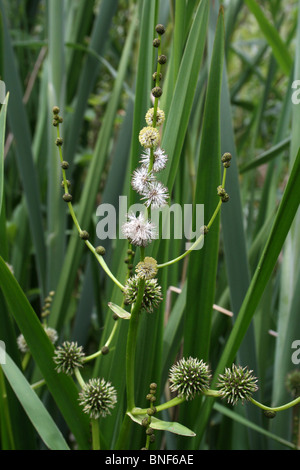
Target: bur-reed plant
104	390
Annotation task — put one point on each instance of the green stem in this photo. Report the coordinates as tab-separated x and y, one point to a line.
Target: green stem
174	402
131	345
95	434
278	408
99	353
200	238
38	384
77	225
79	377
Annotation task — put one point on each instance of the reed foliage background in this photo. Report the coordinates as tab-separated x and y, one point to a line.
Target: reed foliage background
228	87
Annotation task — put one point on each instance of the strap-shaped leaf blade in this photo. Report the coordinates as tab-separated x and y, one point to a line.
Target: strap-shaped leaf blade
36	411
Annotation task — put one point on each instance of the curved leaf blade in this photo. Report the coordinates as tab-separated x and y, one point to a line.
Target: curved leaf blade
37	413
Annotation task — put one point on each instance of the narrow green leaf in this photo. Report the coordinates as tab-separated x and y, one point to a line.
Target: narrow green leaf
271	34
36	411
2	137
283	221
267	156
62	387
19	125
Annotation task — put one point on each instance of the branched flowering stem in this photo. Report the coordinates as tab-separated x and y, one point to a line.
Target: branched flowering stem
200	238
174	402
278	408
75	220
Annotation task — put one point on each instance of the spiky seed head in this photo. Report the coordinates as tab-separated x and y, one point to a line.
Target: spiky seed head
146	269
189	377
236	384
98	397
152	293
149	137
68	356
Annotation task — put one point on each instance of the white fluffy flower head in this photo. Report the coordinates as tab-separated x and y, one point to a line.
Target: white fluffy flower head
160	159
139	230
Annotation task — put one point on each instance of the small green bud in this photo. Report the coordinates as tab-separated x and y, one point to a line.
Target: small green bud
157	92
100	250
221	191
59	141
67	197
226	157
152	399
68	183
105	350
151	411
152	438
84	235
153	385
55	123
204	230
160	29
55	110
269	414
149	431
149	396
65	165
162	59
156	42
145	422
154	76
225	197
60	120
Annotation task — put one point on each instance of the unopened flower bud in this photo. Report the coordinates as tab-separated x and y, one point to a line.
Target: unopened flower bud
67	197
55	110
59	141
84	235
157	92
162	59
100	250
65	165
105	350
160	29
156	42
